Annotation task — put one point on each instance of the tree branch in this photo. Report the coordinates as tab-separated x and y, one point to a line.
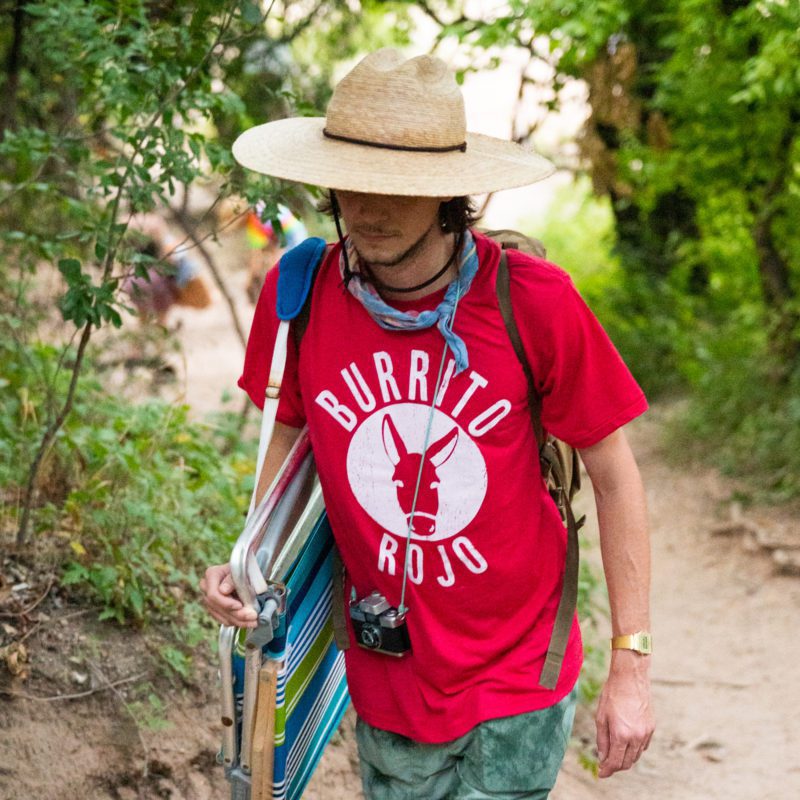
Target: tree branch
50	435
128	161
288	38
77	695
185	223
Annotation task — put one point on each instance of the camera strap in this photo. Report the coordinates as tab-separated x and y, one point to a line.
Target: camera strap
402	609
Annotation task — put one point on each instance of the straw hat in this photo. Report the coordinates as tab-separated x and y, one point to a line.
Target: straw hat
393	126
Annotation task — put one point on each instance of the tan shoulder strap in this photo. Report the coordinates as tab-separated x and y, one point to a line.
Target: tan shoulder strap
567	604
507	312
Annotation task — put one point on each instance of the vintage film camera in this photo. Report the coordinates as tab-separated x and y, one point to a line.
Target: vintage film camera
379	626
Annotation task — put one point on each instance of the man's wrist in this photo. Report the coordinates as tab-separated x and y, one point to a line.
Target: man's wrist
629	662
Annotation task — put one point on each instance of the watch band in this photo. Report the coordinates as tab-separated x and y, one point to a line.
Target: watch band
640	642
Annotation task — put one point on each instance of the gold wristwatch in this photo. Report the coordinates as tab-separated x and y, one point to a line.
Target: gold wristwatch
640	642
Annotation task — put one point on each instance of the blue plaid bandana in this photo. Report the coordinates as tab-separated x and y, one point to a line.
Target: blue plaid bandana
442	316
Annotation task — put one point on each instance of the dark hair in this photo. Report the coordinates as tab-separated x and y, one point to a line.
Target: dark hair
455	215
458	214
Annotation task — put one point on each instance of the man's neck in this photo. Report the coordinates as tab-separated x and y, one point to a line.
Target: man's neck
423	262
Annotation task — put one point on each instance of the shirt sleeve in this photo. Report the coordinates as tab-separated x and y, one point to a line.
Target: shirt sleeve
586	389
258	357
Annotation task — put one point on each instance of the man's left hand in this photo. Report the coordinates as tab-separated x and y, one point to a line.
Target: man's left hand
625	721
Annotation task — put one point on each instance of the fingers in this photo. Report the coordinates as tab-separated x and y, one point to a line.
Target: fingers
221	601
226	585
630	757
619	751
619	744
615	759
625	723
603	738
245	618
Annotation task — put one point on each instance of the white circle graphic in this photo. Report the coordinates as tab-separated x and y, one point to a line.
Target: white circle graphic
383	463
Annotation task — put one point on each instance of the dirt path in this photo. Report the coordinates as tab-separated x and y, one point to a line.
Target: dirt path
724	671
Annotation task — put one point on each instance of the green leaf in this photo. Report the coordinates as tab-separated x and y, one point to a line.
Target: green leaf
251	13
70	268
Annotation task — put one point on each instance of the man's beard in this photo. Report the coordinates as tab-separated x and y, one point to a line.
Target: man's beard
411	251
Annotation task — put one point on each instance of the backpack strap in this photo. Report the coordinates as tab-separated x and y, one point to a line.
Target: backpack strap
504	300
551	465
296	272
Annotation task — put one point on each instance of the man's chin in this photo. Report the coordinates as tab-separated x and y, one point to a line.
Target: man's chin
377	256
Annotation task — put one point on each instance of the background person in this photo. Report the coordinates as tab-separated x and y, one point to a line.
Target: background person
178	282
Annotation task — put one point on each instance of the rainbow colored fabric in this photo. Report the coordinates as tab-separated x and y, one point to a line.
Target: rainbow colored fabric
260	234
312	691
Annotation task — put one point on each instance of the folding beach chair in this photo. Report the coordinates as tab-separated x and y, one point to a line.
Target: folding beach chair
283	683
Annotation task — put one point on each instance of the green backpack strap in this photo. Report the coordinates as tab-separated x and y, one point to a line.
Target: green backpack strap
559	484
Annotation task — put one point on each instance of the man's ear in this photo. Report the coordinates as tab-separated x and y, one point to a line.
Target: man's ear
443	201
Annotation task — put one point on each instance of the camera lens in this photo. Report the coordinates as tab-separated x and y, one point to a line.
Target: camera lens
370	636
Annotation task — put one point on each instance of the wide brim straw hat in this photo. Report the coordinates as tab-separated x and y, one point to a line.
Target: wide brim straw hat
393	126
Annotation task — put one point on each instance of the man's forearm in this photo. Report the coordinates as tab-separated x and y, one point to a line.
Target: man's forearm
624	719
625	547
624	538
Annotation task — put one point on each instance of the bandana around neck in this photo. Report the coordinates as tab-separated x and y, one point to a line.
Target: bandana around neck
391	319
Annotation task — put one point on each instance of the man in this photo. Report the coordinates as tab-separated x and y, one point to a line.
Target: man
161	290
417	410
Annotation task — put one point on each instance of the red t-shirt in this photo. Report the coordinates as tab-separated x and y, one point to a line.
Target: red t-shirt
486	563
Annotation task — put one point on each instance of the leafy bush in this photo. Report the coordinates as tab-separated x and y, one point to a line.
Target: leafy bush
739	415
147	496
743	413
155	504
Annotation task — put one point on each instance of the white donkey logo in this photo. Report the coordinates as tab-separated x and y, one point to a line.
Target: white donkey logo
406	471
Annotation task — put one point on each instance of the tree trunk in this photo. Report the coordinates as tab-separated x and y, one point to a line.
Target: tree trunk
779	297
773	269
12	70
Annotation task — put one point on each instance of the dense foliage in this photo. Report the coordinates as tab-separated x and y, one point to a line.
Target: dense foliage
140	498
693	140
111	109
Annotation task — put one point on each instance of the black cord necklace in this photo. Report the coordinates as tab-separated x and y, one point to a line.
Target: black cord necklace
370	275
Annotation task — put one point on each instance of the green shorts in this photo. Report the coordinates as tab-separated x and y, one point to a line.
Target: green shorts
510	757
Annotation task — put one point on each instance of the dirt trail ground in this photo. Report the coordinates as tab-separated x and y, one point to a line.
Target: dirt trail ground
724	671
